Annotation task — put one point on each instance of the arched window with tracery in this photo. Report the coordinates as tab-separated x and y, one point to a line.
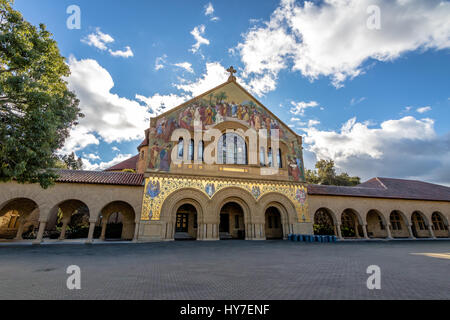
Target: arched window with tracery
396	221
232	149
180	148
438	222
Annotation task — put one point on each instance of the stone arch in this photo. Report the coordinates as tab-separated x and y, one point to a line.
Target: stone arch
351	223
174	201
62	213
18	215
419	224
399	224
377	226
18	192
234	194
128	217
282	203
186	220
440	225
325	222
247	202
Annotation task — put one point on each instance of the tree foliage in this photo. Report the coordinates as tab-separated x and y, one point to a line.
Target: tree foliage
36	107
326	174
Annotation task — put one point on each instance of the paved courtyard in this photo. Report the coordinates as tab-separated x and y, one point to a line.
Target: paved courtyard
227	270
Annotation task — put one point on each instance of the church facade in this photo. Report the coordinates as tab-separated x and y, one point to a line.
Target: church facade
222	166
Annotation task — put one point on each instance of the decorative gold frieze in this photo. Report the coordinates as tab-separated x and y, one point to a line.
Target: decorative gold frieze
158	188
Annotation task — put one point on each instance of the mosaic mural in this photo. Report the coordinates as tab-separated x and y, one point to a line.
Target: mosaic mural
157	189
228	103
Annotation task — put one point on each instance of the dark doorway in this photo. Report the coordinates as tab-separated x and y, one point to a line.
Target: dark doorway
274	229
232	225
224	222
182	223
186	223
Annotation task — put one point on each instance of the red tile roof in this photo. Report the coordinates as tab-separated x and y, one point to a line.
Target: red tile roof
130	163
100	177
387	188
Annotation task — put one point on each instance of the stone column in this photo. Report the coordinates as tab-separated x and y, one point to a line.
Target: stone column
90	237
411	235
339	232
364	227
20	229
62	236
104	225
356	229
388	230
430	228
40	234
136	231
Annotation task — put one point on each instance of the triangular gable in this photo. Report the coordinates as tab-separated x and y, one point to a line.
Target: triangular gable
226	102
234	92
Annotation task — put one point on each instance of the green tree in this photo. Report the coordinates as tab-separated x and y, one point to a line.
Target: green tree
36	108
326	174
72	162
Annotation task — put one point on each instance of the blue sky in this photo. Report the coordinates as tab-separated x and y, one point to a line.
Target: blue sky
373	98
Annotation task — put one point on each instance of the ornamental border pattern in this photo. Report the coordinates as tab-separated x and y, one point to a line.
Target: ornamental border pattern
157	189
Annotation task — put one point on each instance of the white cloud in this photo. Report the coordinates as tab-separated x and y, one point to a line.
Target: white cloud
331	38
261	85
209	11
115	149
98	39
101	41
161	103
80	137
198	33
369	152
111	117
91	156
215	75
300	107
312	123
160	62
87	165
423	109
185	65
124	54
356	101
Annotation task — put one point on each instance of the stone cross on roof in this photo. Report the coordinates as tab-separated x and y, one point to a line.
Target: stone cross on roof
231	70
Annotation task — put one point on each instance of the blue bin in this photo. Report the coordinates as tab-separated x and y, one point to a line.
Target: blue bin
291	237
300	237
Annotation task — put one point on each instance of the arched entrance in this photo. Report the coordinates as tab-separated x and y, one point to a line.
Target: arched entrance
274	228
376	226
117	221
69	220
419	226
232	224
19	219
440	226
323	222
186	223
350	227
398	225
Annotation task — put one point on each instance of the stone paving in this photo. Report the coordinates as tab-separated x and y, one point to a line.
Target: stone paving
227	270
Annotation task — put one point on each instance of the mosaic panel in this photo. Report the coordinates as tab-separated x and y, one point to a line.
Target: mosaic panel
158	189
